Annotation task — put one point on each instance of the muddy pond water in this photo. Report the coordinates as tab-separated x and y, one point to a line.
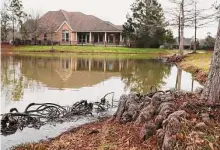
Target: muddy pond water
66	79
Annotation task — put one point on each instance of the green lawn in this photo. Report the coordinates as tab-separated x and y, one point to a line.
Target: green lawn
200	60
88	49
93	55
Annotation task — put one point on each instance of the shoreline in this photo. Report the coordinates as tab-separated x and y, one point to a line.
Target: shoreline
196	64
197	73
193	128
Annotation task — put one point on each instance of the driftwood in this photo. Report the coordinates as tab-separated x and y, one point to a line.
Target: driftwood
37	114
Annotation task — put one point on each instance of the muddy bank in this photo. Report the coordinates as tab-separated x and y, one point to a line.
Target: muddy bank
198	74
161	120
181	62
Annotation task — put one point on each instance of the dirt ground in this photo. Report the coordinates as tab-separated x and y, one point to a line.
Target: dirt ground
105	134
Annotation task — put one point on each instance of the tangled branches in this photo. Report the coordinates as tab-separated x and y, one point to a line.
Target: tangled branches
37	114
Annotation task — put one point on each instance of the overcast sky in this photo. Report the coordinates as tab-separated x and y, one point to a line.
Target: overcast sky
109	10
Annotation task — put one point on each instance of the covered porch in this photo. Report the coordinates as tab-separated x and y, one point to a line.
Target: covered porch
99	38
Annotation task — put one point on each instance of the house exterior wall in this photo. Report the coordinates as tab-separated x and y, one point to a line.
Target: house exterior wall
58	35
59	32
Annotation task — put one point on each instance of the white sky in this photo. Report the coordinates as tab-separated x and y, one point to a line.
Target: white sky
110	10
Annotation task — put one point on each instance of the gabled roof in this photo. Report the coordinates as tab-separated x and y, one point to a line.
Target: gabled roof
78	21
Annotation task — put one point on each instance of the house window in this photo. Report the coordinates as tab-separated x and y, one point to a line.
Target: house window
65	36
82	38
45	37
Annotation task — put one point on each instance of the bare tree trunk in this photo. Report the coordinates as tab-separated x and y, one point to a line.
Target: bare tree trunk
182	19
13	30
179	30
211	92
52	41
195	40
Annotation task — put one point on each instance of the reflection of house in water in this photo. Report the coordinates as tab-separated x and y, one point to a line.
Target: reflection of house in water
99	65
71	72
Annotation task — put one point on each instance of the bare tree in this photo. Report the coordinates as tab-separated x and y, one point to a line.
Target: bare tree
48	26
189	15
182	13
200	18
5	22
16	14
31	26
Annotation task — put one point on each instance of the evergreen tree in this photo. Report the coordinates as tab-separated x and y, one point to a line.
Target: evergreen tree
147	23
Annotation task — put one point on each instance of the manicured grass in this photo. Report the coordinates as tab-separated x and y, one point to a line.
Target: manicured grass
92	55
200	60
88	49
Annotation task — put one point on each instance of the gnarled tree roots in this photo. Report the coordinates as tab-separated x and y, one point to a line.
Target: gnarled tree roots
37	114
159	114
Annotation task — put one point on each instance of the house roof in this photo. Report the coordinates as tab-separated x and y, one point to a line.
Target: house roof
78	21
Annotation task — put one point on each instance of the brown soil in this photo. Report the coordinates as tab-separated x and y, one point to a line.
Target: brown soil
6	48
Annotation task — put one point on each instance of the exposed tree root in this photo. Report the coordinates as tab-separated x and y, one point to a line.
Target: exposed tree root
37	114
166	114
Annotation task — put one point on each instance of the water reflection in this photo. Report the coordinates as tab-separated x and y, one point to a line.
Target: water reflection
142	75
178	79
25	72
65	80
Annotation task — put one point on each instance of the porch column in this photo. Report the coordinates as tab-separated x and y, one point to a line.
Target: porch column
90	37
76	38
105	38
98	38
120	37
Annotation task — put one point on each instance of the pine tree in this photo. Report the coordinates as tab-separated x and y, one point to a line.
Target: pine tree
148	23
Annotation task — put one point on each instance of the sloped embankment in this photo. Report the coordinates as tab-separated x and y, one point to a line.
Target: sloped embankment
197	63
162	120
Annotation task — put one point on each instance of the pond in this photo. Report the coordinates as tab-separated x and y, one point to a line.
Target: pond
68	78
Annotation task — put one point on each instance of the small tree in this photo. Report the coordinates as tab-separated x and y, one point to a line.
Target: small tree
128	31
48	26
146	25
16	14
182	7
31	26
5	22
169	38
209	41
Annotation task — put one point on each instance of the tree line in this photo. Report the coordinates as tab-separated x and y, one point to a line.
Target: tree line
146	25
18	22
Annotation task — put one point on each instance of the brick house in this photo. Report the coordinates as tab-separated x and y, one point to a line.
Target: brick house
77	28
